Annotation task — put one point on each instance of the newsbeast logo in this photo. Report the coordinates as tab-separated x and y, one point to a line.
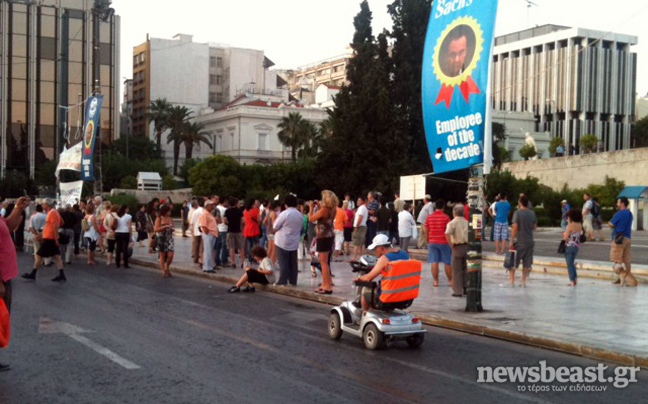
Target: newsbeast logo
580	379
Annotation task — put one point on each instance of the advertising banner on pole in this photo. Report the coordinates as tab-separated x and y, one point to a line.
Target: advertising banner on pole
70	159
456	69
70	192
90	126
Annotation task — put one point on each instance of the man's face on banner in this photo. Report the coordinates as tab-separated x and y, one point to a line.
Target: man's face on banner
457	52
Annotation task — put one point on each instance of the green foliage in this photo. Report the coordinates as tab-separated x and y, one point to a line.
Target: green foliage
124	199
504	155
16	184
588	143
158	112
499	132
117	166
169	183
138	147
45	174
186	167
128	182
555	143
528	151
224	176
640	133
217	174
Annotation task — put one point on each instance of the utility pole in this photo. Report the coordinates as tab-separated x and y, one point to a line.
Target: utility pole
475	236
101	11
63	82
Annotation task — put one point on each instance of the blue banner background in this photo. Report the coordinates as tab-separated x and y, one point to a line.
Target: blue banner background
92	116
448	121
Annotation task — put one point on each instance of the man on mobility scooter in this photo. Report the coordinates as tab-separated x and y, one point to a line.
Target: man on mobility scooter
376	313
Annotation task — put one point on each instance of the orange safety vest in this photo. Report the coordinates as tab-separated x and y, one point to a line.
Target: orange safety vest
400	281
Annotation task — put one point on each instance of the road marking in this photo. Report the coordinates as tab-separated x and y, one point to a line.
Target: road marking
49	326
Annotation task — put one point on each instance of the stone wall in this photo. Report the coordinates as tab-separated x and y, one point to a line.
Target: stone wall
629	166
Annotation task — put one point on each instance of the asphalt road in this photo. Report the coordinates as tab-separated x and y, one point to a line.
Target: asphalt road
129	336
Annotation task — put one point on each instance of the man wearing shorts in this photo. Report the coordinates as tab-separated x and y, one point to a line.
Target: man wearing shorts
49	244
621	223
524	224
360	228
439	251
502	209
338	231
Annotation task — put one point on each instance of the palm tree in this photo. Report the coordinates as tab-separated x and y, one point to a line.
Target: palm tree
312	137
158	112
193	134
177	121
326	127
291	133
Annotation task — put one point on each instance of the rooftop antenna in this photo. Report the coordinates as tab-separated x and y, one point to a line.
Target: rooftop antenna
529	5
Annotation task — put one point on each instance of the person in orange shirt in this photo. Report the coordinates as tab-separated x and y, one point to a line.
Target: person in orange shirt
50	247
338	230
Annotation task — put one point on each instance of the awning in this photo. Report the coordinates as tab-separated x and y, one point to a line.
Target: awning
633	192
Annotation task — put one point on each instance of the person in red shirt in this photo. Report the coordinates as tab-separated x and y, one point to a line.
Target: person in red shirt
348	227
438	248
50	246
9	267
251	229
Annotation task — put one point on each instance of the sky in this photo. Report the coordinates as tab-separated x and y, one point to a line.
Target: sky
298	32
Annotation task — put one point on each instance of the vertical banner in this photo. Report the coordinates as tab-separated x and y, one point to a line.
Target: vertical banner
456	69
90	125
70	192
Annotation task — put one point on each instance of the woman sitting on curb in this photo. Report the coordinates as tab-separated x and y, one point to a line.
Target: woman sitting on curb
264	275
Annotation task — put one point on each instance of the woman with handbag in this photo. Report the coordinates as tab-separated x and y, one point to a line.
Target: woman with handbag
325	238
571	242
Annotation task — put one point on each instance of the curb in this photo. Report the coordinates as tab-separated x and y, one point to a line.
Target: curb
512	336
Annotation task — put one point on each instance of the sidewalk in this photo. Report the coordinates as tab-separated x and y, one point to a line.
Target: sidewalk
595	319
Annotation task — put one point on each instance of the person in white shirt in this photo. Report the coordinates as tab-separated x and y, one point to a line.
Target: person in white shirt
194	226
222	251
123	235
360	228
406	226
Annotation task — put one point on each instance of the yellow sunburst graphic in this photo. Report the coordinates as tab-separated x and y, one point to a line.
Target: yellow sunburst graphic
478	47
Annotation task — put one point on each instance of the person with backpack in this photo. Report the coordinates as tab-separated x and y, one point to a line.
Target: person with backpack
110	224
90	233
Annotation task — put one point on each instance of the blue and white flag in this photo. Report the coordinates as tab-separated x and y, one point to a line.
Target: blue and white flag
456	69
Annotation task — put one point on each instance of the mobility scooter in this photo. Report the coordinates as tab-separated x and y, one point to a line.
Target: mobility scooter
385	322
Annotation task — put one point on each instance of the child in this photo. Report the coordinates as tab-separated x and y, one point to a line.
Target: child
264	275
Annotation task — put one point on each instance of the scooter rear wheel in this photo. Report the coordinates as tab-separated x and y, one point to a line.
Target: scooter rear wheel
415	340
335	326
372	337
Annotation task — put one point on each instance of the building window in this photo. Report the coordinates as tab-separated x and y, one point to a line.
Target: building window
232	141
263	141
212	79
219	80
219	97
219	62
212	98
219	143
212	61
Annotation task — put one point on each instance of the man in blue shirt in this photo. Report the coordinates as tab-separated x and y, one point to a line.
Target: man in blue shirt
621	225
502	209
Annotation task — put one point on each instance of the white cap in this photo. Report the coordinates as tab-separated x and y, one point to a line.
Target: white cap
379	240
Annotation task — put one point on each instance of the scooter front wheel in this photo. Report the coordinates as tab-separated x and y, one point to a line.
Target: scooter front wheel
372	337
335	326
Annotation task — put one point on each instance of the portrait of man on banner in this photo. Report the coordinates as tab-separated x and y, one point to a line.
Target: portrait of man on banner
457	50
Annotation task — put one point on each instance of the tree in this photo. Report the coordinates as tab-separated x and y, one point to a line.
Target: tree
528	151
137	146
555	143
588	143
291	133
177	121
217	174
158	112
410	21
312	139
640	133
193	134
500	154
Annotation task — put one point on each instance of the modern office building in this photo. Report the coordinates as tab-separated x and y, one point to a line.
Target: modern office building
195	75
574	81
32	79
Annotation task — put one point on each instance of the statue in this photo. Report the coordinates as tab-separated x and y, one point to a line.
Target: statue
529	140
